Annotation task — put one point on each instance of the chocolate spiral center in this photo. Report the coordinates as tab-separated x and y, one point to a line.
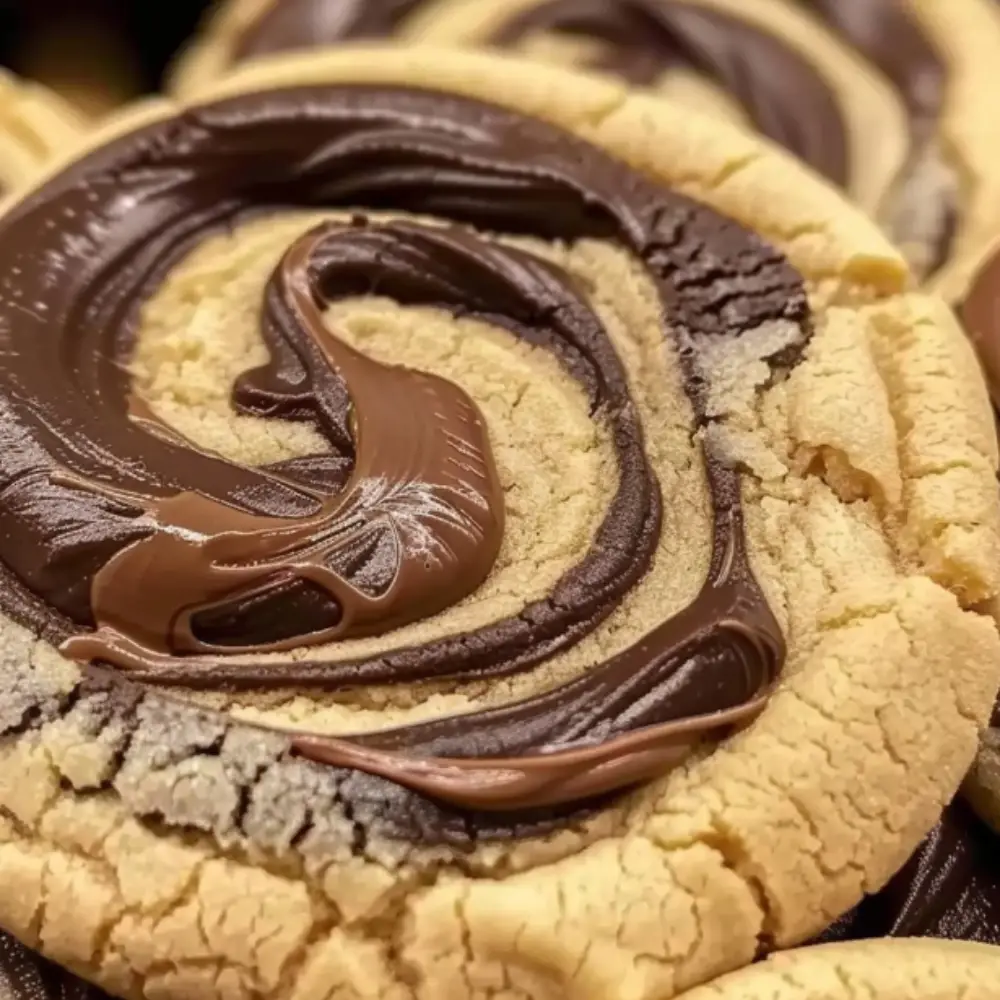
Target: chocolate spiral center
99	502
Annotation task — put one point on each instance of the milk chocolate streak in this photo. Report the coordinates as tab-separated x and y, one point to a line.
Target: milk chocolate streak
88	481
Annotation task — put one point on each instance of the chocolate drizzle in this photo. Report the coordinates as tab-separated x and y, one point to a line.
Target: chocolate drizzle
87	481
415	527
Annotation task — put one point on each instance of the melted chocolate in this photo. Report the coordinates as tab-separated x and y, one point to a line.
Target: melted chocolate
100	502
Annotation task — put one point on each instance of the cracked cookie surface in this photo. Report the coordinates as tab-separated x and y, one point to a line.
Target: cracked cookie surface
214	857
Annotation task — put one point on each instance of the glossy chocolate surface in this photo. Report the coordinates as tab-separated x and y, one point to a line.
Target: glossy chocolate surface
25	975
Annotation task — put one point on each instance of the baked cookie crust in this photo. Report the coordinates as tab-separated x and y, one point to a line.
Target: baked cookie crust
165	847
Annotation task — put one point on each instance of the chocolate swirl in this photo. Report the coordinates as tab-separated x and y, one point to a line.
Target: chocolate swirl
100	501
784	95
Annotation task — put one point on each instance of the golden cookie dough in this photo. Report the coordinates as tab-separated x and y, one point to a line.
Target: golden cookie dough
163	845
35	126
888	970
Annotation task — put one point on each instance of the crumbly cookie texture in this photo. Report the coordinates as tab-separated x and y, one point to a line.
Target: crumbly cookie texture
889	970
35	125
164	849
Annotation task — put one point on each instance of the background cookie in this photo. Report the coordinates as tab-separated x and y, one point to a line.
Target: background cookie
214	856
35	125
898	970
24	974
881	97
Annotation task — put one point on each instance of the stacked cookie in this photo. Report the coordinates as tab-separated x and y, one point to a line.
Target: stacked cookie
479	529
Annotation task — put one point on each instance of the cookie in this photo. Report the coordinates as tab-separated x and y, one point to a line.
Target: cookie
898	970
881	96
488	532
35	125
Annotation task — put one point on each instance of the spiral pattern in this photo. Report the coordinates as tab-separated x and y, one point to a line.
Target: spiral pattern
100	500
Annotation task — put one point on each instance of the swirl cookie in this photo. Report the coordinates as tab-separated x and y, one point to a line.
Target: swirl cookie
35	125
460	545
898	970
878	95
